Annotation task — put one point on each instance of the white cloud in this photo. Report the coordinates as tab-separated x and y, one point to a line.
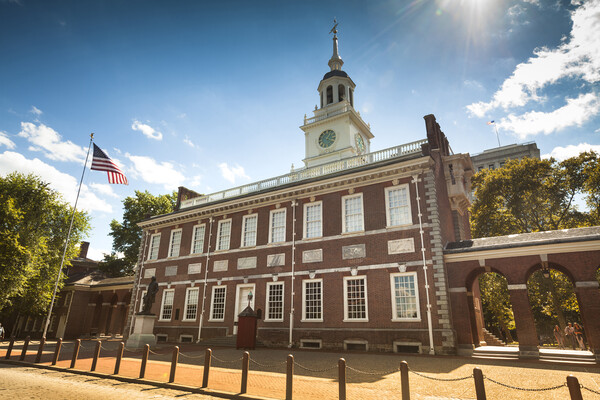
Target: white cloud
575	112
147	130
96	254
152	171
4	140
59	181
231	173
105	189
562	153
35	110
182	115
189	142
195	181
48	141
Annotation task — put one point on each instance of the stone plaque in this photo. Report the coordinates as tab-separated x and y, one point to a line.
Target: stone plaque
194	268
311	256
246	263
276	260
401	246
171	270
149	273
354	251
220	265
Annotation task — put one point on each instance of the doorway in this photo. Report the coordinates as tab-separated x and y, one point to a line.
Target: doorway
241	301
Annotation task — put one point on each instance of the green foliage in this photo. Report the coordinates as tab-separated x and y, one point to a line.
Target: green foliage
34	222
127	235
113	266
495	301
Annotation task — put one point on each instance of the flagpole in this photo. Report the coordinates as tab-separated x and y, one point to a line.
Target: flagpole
62	261
497	136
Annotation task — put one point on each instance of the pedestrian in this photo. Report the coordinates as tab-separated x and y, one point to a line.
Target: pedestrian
1	332
570	335
578	332
560	340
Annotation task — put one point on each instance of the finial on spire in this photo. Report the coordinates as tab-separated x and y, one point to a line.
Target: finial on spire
335	63
334	30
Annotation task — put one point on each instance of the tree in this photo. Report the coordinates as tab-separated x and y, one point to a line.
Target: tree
128	235
495	302
34	221
113	266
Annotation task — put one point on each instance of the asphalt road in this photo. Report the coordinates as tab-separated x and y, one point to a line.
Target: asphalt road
21	383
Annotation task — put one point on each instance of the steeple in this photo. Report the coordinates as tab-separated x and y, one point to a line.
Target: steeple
335	63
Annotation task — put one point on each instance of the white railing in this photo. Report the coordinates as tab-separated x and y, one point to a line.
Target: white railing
308	173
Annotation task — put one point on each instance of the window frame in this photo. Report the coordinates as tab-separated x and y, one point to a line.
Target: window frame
151	247
387	205
141	307
245	219
219	235
268	301
195	239
362	213
187	303
162	305
305	221
395	317
366	299
171	253
212	302
304	284
271	215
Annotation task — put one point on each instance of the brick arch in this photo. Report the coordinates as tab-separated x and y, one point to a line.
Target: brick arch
551	265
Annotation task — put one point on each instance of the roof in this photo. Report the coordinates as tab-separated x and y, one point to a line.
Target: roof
335	72
524	239
97	278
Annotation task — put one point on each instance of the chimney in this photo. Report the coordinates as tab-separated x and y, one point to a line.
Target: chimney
83	249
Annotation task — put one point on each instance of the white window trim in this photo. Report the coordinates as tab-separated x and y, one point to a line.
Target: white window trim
305	222
393	294
269	284
192	244
219	234
187	296
191	337
238	290
303	341
356	341
157	247
244	219
162	304
141	308
346	319
304	282
212	303
362	207
284	211
387	205
173	232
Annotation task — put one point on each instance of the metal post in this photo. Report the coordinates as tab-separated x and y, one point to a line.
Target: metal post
24	350
75	352
57	351
289	377
144	361
479	385
119	357
245	366
10	347
38	358
342	378
574	388
404	380
174	364
207	358
96	355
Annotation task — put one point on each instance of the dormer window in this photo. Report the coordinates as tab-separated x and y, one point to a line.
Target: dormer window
329	94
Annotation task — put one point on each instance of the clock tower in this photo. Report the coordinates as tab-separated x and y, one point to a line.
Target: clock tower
336	130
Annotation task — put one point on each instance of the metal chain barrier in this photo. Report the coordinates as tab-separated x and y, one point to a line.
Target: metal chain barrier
185	355
525	389
226	362
440	379
132	351
590	390
156	354
314	370
373	372
268	365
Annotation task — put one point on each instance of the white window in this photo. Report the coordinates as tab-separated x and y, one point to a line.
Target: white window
397	206
274	301
312	300
175	243
142	301
352	207
166	308
191	304
355	298
154	243
223	234
313	220
277	226
198	239
405	297
217	304
249	230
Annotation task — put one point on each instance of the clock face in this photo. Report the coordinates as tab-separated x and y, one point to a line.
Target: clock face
327	138
360	143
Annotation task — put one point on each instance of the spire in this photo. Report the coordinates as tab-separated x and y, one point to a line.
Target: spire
335	63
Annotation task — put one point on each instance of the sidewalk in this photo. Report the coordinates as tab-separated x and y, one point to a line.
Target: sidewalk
369	375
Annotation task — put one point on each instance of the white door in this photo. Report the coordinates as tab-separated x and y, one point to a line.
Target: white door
241	301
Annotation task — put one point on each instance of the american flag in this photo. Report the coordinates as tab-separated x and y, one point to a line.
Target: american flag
101	162
492	122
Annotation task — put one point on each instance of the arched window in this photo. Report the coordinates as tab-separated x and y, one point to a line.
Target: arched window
351	98
341	92
321	96
329	94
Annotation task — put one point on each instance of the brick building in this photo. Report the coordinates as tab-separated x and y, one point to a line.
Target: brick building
346	252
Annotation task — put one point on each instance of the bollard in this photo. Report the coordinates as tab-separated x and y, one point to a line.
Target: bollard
479	386
75	352
289	377
404	380
342	378
144	361
574	388
10	347
57	351
207	358
119	357
38	358
24	350
96	355
174	364
245	366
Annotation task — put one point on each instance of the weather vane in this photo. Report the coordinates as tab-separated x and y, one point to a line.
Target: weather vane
335	24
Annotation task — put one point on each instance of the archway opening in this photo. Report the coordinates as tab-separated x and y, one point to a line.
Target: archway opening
496	309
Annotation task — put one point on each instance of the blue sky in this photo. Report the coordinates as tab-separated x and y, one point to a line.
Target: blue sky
210	95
